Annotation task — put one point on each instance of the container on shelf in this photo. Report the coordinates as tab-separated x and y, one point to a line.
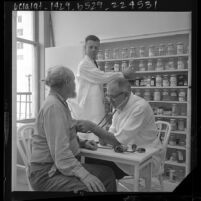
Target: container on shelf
173	80
142	65
180	48
161	49
158	81
171	64
100	55
173	157
153	81
150	66
173	123
174	110
172	140
165	81
180	174
137	81
151	51
183	111
181	124
133	52
182	142
147	95
160	111
170	49
107	67
173	95
180	156
124	65
142	51
172	175
131	65
165	94
182	95
116	53
180	63
180	80
108	53
159	65
116	67
157	95
148	81
125	53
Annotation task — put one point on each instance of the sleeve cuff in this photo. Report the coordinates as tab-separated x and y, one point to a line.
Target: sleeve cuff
81	173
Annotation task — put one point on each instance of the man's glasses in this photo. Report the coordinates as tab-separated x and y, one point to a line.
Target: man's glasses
113	97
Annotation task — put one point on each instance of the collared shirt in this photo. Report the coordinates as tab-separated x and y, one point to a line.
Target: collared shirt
55	140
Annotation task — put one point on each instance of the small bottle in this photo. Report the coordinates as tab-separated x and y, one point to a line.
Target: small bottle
181	125
131	65
150	66
165	94
137	81
180	80
157	95
182	95
173	80
173	124
173	95
180	156
180	63
180	48
170	49
165	81
125	53
147	95
153	81
148	81
159	65
116	67
172	140
158	81
161	49
151	51
133	52
142	51
171	65
142	65
174	110
123	65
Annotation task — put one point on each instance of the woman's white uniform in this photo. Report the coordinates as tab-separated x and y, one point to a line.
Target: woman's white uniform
89	103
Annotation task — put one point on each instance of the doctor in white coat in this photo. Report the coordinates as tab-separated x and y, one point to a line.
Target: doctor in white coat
89	103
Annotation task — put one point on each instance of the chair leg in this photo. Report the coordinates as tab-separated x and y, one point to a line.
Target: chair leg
160	178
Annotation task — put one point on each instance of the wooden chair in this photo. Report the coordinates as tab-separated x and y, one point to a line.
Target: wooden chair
163	135
24	135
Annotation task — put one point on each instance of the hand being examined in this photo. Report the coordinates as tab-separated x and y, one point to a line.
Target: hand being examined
91	144
84	126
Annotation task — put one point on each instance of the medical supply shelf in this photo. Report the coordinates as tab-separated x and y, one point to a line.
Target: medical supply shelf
182	67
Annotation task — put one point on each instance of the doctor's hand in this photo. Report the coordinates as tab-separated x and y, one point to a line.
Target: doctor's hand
93	183
91	144
84	126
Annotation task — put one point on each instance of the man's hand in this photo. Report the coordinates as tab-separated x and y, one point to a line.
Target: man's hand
91	144
84	125
93	184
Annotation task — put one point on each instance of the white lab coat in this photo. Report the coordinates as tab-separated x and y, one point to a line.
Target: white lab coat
89	103
135	124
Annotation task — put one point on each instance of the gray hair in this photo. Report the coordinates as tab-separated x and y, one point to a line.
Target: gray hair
57	76
121	83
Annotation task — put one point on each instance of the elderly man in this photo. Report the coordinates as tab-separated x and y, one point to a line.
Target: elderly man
133	122
55	160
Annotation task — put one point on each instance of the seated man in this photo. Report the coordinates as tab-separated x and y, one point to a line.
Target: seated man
133	122
55	160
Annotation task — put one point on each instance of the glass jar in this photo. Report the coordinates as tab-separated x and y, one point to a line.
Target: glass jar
173	156
182	110
182	95
165	81
173	80
116	67
181	125
180	63
158	81
170	49
142	65
153	81
100	55
172	175
180	80
165	94
157	95
142	51
107	67
171	64
147	95
143	81
172	140
137	81
159	65
185	80
108	53
180	48
150	66
173	95
116	53
131	64
125	53
173	124
161	49
180	156
151	51
133	52
148	81
123	65
174	110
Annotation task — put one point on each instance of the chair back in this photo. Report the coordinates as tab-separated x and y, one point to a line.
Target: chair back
24	141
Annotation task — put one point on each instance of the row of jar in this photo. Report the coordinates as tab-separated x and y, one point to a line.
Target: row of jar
172	80
145	65
174	110
176	140
177	156
143	51
162	95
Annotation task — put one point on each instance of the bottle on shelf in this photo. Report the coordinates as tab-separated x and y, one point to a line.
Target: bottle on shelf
133	52
161	49
165	81
173	95
172	140
173	123
124	65
180	63
173	80
151	51
157	95
137	81
153	81
142	65
150	66
148	81
180	48
180	156
159	65
116	67
131	65
170	49
171	64
142	51
158	81
174	110
107	53
182	95
181	124
172	175
165	95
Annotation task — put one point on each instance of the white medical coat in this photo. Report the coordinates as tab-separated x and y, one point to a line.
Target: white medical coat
89	103
135	124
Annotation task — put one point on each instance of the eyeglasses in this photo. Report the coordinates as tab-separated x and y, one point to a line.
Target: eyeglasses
122	148
113	97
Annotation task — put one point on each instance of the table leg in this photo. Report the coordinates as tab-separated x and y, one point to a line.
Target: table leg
136	178
148	177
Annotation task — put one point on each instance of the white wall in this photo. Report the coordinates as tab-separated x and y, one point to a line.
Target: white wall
70	28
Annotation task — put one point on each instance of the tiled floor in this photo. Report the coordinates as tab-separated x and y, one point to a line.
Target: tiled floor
168	186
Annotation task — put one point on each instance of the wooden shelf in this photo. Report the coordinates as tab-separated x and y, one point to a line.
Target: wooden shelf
176	147
175	163
174	117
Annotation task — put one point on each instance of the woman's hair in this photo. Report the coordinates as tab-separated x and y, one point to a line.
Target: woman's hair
57	76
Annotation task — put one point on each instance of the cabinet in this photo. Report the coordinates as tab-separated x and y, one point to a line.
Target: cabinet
162	63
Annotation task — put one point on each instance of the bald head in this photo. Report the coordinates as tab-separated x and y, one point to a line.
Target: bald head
57	76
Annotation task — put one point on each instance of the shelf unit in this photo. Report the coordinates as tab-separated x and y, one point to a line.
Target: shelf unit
147	40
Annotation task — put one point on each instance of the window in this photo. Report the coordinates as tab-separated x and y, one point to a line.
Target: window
26	65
